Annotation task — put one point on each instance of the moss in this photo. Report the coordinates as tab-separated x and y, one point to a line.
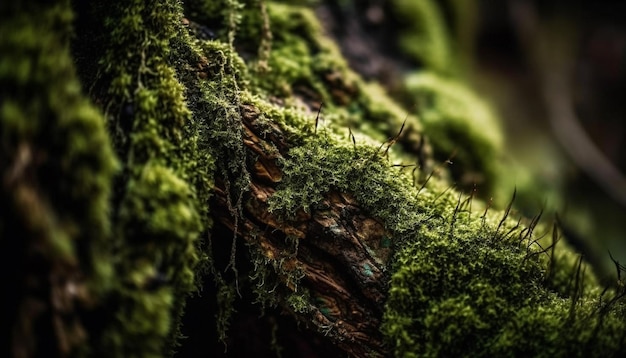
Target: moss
57	166
465	293
422	35
458	278
161	202
459	281
299	56
306	69
459	123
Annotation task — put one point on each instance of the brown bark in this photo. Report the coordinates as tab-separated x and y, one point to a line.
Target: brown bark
347	284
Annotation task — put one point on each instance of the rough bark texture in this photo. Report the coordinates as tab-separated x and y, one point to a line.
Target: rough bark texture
334	245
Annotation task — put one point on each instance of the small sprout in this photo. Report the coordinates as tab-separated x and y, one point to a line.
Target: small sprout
413	173
395	139
619	268
470	199
454	213
513	228
317	118
577	290
531	228
484	216
436	170
506	213
555	240
351	135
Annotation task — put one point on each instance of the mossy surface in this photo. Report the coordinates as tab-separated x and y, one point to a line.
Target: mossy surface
465	280
306	70
162	194
460	125
57	165
423	36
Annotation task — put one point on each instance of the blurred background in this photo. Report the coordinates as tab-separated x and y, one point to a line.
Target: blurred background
554	72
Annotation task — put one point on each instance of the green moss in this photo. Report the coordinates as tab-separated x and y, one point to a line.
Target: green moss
464	293
299	57
458	277
458	122
306	69
57	166
163	192
461	284
422	35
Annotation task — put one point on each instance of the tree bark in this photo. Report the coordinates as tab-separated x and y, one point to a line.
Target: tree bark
335	250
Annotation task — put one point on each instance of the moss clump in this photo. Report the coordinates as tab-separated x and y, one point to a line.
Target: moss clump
301	58
56	165
471	291
306	69
161	196
459	123
461	284
460	281
323	164
423	36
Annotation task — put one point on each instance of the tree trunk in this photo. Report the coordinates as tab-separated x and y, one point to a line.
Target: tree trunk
212	177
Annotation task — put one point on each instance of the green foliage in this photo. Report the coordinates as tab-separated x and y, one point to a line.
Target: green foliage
462	284
323	164
458	278
306	68
54	143
465	289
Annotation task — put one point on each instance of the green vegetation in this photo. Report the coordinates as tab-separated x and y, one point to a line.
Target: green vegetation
466	279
